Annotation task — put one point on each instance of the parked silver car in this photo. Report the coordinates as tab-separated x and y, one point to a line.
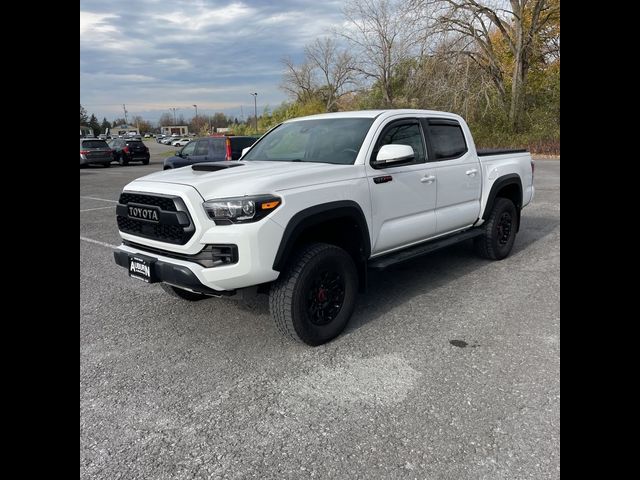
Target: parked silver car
94	150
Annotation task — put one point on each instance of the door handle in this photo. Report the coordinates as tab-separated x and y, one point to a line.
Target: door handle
428	179
472	172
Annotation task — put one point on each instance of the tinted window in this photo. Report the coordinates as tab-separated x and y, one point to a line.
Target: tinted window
447	141
335	140
94	144
189	148
134	143
218	148
202	147
403	133
240	143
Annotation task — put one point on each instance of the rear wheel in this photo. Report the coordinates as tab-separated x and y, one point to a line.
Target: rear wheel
145	162
314	297
499	231
182	293
106	165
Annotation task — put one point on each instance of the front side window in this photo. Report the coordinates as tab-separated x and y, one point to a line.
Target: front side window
329	140
189	148
447	139
403	133
202	147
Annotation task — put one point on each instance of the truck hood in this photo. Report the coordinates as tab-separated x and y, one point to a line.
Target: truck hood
254	177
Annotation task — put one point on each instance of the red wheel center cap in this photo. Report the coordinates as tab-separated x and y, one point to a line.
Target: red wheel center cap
322	295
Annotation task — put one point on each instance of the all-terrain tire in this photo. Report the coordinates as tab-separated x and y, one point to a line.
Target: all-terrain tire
315	295
499	231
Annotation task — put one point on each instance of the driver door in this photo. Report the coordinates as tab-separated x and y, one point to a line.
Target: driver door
185	154
403	197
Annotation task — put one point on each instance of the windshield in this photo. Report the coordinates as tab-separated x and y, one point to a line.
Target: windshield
330	140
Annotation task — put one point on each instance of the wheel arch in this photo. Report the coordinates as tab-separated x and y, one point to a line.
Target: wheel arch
341	223
508	186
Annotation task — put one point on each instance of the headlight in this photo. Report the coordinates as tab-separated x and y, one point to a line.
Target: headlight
225	211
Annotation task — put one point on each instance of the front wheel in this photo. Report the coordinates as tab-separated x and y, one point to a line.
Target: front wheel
499	231
314	297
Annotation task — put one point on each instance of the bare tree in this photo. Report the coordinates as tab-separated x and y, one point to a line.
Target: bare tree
298	80
335	66
165	120
325	74
383	33
481	27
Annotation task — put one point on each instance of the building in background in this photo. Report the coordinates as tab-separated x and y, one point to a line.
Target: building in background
175	130
123	130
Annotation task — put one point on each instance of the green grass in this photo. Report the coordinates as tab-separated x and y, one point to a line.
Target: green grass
168	153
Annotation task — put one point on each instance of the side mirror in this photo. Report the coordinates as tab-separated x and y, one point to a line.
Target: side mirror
244	150
394	154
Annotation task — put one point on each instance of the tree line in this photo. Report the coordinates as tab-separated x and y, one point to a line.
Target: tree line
496	63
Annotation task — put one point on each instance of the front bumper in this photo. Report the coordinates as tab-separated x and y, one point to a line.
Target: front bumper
257	244
176	275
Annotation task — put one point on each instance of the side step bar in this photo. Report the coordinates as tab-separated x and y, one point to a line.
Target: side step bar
422	249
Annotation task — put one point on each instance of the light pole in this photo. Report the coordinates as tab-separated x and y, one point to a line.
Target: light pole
174	115
255	108
196	117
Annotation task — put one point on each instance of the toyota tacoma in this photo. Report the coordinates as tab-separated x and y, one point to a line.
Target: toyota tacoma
314	204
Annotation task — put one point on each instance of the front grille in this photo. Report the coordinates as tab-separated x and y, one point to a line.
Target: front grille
165	203
162	232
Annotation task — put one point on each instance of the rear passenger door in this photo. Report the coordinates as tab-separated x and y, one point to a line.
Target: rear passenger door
457	172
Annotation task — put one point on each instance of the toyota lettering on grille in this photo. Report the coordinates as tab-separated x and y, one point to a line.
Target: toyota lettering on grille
142	213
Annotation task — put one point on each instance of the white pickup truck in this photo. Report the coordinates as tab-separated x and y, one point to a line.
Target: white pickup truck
314	204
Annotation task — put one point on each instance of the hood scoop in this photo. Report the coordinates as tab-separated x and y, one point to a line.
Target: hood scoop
214	166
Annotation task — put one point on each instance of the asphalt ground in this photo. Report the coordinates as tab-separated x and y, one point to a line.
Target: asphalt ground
449	368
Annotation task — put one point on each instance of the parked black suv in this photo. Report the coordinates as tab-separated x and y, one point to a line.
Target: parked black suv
209	149
127	150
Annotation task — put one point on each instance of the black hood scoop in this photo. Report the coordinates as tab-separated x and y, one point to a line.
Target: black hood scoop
214	166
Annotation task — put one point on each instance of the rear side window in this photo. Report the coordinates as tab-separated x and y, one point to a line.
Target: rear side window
134	143
240	143
218	148
94	144
447	139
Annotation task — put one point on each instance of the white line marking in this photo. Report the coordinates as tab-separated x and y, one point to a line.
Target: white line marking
90	240
101	199
97	208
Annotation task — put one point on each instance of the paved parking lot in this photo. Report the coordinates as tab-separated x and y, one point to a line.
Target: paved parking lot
449	368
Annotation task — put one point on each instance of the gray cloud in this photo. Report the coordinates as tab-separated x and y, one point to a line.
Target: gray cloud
154	55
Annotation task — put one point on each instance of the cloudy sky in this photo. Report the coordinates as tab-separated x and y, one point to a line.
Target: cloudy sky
153	55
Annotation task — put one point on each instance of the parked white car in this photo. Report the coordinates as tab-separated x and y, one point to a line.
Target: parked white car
180	142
